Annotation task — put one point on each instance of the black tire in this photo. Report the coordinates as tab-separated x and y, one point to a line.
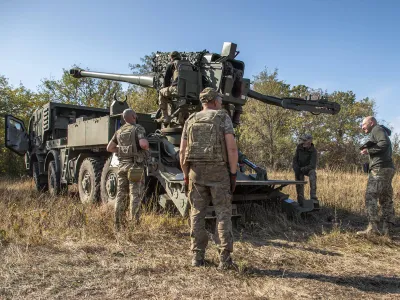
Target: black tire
89	179
109	183
37	178
53	180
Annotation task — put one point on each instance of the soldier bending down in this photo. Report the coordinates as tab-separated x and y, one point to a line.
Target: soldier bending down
209	160
131	146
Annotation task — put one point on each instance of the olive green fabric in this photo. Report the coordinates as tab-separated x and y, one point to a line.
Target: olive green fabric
380	154
305	159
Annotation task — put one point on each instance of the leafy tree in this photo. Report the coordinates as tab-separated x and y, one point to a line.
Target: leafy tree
83	91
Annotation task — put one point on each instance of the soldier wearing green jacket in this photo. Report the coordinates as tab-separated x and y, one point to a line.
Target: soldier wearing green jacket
304	164
381	172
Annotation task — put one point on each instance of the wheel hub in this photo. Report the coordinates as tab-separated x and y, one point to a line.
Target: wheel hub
86	183
111	185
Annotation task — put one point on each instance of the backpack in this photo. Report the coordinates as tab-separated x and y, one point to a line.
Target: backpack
206	139
127	141
181	65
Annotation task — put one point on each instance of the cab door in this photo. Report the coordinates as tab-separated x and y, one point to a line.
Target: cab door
16	139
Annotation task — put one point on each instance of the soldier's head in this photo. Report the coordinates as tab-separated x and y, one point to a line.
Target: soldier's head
368	123
211	99
129	116
306	140
174	55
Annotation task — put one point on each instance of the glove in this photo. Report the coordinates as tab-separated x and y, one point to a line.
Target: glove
232	178
186	185
304	170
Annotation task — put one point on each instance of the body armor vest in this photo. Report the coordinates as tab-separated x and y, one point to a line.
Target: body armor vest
206	139
127	142
180	65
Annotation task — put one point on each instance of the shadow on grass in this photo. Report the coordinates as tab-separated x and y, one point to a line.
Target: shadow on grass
377	284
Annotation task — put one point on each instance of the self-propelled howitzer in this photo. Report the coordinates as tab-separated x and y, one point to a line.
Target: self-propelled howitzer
220	71
224	73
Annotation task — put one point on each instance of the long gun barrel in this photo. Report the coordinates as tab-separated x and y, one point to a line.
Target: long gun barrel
314	106
145	81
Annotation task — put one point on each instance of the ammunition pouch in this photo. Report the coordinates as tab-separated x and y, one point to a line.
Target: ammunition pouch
136	174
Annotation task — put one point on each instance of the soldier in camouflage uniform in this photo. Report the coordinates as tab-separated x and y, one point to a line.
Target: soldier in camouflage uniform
304	164
131	146
170	89
381	172
209	160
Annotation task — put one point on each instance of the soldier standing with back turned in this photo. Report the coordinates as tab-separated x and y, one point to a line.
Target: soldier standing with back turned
209	160
131	146
381	172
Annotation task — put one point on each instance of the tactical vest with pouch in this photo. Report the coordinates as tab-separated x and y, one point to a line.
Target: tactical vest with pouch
128	143
181	65
206	138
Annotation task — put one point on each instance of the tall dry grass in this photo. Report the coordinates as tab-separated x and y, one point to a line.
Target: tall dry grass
56	247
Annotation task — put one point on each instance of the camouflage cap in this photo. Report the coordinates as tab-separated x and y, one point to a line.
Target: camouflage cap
209	94
305	137
175	55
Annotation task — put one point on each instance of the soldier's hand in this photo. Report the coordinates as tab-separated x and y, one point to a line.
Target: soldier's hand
232	178
186	185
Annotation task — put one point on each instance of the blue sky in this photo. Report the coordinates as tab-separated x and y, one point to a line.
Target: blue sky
334	45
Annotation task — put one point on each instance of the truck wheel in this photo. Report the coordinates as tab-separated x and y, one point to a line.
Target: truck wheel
40	186
89	180
53	179
109	183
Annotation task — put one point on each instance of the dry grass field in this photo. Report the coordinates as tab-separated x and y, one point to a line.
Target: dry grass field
57	248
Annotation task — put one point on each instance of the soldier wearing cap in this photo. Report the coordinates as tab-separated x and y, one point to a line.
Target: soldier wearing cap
304	164
209	160
170	89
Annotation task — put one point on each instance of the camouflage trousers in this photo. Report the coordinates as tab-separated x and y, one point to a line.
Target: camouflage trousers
312	175
210	184
165	96
136	190
379	188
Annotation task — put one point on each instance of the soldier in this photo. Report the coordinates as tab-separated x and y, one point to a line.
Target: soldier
170	89
209	160
131	146
381	172
304	164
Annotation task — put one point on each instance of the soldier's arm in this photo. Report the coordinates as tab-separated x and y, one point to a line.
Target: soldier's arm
112	145
143	142
313	162
168	75
295	164
182	153
382	142
232	150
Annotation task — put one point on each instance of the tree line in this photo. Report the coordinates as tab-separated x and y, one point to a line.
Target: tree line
267	135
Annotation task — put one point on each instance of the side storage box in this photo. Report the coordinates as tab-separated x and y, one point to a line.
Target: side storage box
92	132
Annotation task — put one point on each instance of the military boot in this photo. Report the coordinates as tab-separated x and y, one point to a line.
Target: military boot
371	229
386	228
198	258
225	261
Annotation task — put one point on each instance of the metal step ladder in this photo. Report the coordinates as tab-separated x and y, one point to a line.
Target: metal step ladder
64	172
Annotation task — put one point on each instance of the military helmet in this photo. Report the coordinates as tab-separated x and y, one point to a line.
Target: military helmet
209	94
175	55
